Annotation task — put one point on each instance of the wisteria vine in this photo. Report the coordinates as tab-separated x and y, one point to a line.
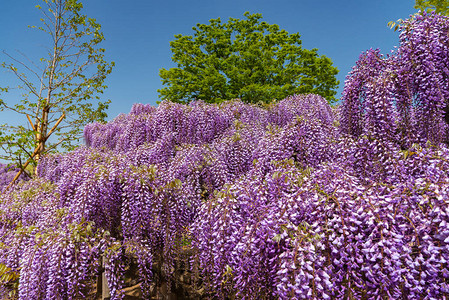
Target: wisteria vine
291	200
404	94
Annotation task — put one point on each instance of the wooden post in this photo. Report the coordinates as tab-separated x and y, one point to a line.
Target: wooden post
105	293
99	292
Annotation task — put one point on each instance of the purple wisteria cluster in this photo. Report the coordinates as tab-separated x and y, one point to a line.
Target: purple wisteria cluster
370	222
403	96
291	200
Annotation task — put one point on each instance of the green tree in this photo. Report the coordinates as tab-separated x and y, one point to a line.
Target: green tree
246	59
59	93
440	6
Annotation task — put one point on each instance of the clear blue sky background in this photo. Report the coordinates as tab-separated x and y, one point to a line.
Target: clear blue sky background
138	33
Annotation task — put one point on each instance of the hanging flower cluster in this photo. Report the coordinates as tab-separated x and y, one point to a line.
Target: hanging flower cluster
370	222
402	97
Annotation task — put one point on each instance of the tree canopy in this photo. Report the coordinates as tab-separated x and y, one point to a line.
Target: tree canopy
59	93
247	59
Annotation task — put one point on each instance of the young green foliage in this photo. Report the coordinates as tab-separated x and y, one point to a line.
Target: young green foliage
247	59
439	6
59	94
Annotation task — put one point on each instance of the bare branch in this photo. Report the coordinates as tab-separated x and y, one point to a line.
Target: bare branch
31	122
19	75
24	150
14	109
55	126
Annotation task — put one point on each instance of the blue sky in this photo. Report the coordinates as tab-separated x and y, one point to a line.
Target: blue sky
138	33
